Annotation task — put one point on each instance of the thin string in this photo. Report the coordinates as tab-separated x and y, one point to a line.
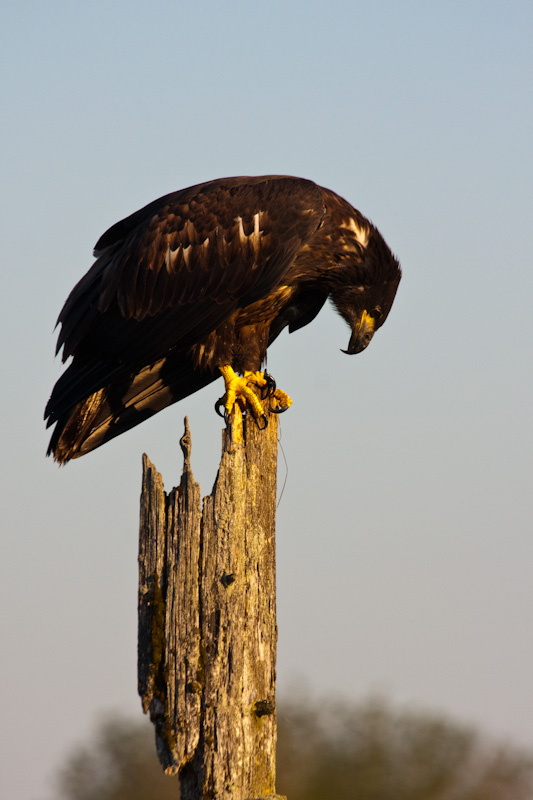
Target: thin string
286	465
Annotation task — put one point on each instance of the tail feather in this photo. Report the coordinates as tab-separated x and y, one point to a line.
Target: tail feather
119	405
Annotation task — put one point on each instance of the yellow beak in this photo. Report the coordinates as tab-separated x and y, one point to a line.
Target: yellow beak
362	334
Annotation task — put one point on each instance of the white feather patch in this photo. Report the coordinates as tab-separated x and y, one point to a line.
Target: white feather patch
171	256
255	237
361	233
242	235
187	254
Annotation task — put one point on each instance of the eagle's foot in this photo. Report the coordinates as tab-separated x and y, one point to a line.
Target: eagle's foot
262	380
282	400
238	390
279	400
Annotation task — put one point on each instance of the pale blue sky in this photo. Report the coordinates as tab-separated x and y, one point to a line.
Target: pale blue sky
405	555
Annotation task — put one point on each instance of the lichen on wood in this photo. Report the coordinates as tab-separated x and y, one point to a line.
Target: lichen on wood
207	618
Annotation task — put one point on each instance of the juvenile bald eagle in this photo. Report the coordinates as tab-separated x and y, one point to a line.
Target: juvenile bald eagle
198	284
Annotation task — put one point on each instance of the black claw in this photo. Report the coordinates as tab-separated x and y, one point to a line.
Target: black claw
218	405
270	387
262	419
279	409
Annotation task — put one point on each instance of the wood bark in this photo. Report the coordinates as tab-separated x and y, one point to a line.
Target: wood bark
207	618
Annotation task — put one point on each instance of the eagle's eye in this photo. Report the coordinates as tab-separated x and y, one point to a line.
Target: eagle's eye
377	313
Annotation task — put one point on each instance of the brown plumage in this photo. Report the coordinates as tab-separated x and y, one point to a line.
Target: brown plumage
201	278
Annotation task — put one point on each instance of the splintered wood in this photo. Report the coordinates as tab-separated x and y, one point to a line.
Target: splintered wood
207	618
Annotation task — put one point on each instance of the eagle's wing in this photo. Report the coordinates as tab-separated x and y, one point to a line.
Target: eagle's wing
171	273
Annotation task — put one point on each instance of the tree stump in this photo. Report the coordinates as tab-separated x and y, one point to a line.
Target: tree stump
207	618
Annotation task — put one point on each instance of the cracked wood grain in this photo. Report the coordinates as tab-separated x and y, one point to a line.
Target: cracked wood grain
207	618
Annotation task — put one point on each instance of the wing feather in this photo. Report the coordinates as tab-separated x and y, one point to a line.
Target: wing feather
174	271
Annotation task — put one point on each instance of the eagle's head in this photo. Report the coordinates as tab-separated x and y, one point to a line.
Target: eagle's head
365	301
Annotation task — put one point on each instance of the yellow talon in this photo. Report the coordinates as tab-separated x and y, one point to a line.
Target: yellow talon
238	390
258	378
283	401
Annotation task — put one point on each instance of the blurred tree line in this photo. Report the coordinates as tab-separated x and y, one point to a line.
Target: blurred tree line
325	750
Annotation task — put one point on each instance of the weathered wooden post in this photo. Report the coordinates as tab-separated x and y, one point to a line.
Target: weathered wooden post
207	618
